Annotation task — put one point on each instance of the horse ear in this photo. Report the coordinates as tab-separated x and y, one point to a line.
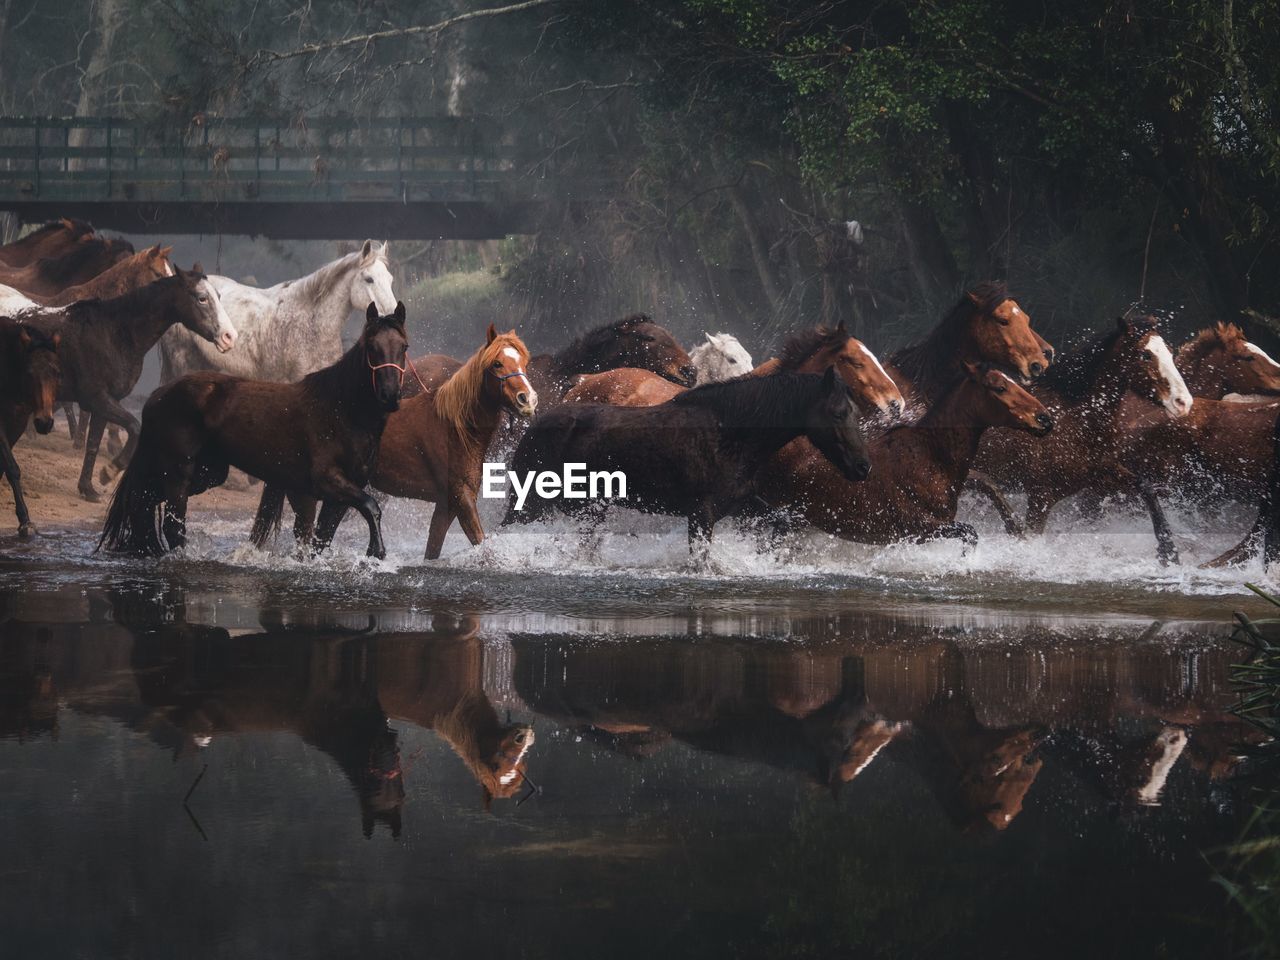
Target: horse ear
840	327
973	298
710	339
490	335
973	370
197	267
1122	324
371	314
366	251
829	380
399	313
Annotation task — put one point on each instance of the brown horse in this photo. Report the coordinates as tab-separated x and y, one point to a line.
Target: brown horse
433	447
51	275
985	326
28	386
634	341
316	438
129	274
1219	361
52	240
1084	394
811	351
105	343
920	467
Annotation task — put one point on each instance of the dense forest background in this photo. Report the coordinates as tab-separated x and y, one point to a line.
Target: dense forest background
759	166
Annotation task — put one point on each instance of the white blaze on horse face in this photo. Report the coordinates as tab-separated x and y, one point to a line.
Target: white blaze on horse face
1262	354
225	338
896	396
507	777
372	281
1178	399
1168	746
168	269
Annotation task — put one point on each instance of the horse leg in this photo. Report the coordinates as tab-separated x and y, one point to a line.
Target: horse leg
76	426
174	524
94	438
441	520
304	517
25	529
372	514
955	530
701	523
1166	549
464	505
1038	508
331	514
121	417
978	482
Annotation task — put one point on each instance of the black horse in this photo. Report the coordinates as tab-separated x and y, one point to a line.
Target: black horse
317	437
699	454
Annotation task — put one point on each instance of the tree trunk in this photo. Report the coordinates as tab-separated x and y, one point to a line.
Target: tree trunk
108	18
934	267
759	248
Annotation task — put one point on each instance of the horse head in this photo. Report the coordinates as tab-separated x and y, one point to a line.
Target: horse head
813	351
156	260
504	359
1152	372
637	341
41	374
832	426
503	761
721	357
999	331
1221	361
385	345
1005	404
371	280
200	310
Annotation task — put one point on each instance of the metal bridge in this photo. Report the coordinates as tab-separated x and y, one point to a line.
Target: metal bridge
399	178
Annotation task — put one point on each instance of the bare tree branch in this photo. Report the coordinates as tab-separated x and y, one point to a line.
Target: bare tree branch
366	39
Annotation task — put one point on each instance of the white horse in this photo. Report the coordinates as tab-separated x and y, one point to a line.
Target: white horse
291	329
722	357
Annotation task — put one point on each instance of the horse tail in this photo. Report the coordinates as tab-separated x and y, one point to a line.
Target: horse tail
266	523
133	519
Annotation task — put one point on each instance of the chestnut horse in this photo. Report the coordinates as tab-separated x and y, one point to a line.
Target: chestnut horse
28	387
51	275
634	341
1219	361
985	325
810	351
317	438
52	240
699	455
1084	393
920	467
433	447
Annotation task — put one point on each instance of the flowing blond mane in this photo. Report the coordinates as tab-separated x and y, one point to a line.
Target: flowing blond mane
457	400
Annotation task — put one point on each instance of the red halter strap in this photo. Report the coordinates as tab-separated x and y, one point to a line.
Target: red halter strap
408	365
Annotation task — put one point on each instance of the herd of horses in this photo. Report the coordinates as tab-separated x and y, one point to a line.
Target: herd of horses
824	435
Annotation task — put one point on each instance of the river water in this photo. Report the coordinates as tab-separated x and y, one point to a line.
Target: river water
815	750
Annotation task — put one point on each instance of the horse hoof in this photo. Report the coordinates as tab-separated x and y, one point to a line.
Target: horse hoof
106	475
90	495
26	531
1169	558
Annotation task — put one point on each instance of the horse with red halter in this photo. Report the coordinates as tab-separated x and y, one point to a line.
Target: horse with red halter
920	467
316	438
52	240
634	341
51	275
105	342
433	447
1084	392
985	326
29	375
810	351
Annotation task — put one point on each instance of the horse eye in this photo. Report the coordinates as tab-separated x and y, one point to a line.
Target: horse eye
368	279
497	364
203	299
1247	359
733	361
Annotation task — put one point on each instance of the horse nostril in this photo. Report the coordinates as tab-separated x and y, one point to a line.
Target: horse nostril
895	407
522	399
1044	420
1037	368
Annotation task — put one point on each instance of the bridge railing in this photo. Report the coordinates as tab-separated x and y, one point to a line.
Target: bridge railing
246	159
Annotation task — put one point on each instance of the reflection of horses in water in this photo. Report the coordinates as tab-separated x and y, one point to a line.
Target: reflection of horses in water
436	683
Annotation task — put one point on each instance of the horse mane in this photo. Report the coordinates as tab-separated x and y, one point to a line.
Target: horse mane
457	400
585	345
932	360
59	268
1209	338
1074	374
761	402
315	286
803	345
